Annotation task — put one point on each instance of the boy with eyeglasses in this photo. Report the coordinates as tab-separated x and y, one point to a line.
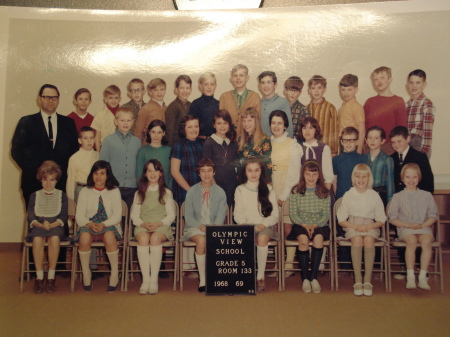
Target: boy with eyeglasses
351	113
380	163
344	163
136	92
271	101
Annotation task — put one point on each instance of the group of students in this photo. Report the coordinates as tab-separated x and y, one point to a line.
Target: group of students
220	144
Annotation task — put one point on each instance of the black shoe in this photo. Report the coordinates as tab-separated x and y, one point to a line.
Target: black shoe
88	288
112	289
38	286
201	289
163	274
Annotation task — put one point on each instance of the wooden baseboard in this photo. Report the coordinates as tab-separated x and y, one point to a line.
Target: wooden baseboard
10	246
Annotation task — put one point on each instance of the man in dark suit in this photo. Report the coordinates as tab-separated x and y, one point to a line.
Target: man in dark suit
405	154
45	135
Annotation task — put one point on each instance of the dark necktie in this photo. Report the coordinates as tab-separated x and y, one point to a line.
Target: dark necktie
50	128
401	158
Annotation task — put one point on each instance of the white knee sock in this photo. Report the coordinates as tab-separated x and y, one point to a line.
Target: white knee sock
144	262
113	258
40	274
51	274
84	259
422	275
155	262
290	253
261	255
201	265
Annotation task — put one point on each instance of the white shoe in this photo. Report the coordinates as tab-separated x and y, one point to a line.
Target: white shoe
153	289
192	274
423	284
399	276
289	274
272	274
315	286
358	289
411	283
367	289
143	290
306	286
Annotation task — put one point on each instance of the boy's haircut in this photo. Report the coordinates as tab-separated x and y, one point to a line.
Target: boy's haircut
184	78
182	126
204	163
419	73
362	168
81	91
317	79
111	90
349	80
111	181
135	80
239	66
85	129
350	130
47	168
279	113
155	82
386	70
411	166
206	76
377	128
268	73
399	131
50	86
124	110
314	123
154	123
294	83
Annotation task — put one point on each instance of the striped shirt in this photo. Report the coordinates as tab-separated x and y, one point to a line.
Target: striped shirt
420	113
326	115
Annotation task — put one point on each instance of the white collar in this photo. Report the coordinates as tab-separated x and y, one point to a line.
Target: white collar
280	139
220	140
153	188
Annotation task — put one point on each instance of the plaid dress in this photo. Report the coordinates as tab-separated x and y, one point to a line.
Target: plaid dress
190	153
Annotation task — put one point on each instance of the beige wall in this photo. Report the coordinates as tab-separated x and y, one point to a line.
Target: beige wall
80	48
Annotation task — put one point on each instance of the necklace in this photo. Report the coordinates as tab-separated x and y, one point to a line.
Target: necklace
225	149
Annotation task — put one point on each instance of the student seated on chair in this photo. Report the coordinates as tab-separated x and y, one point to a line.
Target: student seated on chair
206	204
99	213
47	216
152	213
309	208
361	215
256	203
413	211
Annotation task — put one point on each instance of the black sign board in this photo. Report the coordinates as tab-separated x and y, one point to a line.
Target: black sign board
230	260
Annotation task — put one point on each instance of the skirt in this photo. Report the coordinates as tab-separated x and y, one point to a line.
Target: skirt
41	232
402	232
350	232
166	230
299	230
98	236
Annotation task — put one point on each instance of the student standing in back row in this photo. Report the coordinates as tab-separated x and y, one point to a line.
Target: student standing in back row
386	109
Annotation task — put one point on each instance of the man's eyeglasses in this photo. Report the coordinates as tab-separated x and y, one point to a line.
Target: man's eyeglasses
134	91
50	98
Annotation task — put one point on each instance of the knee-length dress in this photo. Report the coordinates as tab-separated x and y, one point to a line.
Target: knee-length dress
47	206
412	207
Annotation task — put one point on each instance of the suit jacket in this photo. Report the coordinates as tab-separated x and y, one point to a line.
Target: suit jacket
419	158
31	146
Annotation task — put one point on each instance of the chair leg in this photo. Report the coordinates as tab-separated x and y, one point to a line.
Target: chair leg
22	270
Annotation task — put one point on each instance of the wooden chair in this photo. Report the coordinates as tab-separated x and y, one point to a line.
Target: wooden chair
122	252
327	260
381	267
435	267
131	260
27	247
